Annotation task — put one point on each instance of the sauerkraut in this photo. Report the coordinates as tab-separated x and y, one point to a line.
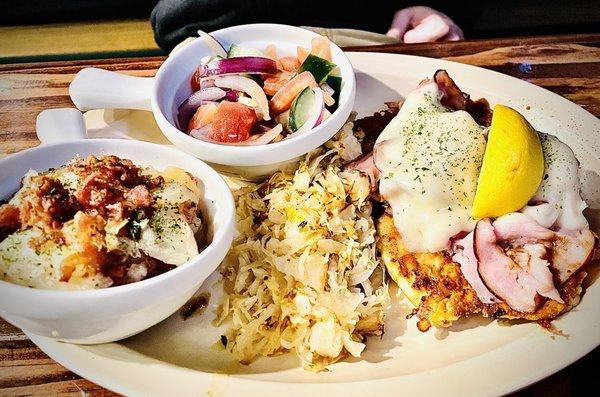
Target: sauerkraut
302	274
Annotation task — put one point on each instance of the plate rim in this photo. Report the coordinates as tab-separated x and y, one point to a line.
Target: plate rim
104	376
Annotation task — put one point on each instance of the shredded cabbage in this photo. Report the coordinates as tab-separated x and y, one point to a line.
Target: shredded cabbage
302	274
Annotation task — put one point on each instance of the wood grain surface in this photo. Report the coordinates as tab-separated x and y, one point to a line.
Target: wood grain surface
568	65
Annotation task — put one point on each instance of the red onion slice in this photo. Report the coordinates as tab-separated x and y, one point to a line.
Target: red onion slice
189	106
202	133
206	82
240	65
321	117
215	47
206	94
328	99
327	88
250	87
261	139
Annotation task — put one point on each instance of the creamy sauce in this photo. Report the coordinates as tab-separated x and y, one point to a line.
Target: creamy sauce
562	205
429	160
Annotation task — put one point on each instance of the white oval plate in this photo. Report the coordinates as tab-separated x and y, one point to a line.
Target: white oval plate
475	356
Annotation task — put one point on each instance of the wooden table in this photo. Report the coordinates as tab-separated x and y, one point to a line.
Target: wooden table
568	65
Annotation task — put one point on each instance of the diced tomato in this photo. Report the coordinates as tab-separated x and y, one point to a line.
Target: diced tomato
282	100
232	122
203	116
290	64
195	80
274	82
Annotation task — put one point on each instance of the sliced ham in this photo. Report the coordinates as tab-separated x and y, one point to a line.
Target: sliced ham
465	257
533	259
454	98
518	226
572	251
498	271
366	165
517	283
569	250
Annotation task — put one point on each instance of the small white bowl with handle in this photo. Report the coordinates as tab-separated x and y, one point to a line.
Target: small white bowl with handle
96	89
106	315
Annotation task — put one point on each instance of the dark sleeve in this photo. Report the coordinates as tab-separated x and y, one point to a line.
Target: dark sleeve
175	20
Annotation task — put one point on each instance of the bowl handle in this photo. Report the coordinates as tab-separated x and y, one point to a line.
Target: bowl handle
95	88
60	125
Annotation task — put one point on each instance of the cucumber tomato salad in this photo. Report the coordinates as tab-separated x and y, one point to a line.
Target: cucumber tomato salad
245	96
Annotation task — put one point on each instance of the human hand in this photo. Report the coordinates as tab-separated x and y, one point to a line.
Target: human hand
423	24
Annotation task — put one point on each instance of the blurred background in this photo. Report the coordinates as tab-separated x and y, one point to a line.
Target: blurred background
73	29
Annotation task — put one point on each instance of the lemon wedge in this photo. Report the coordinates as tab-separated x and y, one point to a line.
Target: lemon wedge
513	165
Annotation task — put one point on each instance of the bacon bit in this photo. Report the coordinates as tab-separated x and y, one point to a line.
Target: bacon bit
139	196
112	168
10	220
115	211
9	216
33	213
57	201
97	193
30	215
113	187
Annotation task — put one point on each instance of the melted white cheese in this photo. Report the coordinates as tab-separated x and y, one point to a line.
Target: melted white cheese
429	160
562	204
174	193
24	265
168	237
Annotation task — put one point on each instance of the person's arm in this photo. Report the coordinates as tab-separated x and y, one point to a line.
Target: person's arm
433	21
175	20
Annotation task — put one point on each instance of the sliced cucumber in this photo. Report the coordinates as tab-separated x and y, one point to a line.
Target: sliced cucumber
301	108
319	67
239	51
335	82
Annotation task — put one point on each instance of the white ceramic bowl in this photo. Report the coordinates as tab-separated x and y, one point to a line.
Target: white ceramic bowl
96	88
98	316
